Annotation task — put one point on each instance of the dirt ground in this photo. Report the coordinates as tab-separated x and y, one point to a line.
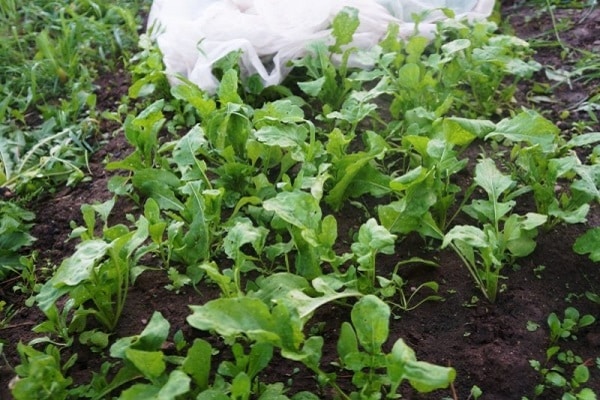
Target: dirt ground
488	344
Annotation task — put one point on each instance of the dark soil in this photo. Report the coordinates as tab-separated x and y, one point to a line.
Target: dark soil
488	344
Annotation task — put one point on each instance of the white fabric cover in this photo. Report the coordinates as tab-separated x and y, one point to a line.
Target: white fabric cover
193	34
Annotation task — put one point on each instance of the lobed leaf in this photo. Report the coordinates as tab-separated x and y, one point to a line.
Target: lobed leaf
589	243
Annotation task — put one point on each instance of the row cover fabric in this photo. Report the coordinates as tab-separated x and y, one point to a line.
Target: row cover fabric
193	34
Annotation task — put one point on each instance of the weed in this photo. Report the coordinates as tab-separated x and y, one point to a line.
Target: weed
564	370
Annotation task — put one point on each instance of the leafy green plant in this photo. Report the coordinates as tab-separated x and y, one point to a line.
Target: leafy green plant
101	269
563	187
331	84
282	327
588	244
41	375
568	328
145	369
41	158
360	350
504	236
565	370
7	312
15	223
51	49
372	239
467	67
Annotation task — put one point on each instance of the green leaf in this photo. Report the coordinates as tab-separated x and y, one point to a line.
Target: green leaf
586	394
355	108
186	148
347	343
79	266
424	377
228	89
589	180
372	239
149	363
589	243
584	139
344	25
160	185
455	46
151	339
491	179
581	374
278	285
259	358
140	391
306	305
530	127
281	111
348	167
233	317
297	208
197	363
462	131
213	394
193	95
370	318
282	135
468	234
244	232
312	88
556	379
241	386
409	76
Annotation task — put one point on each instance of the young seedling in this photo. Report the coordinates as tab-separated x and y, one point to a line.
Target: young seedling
504	236
563	369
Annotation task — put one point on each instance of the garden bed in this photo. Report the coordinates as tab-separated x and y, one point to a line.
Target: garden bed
490	345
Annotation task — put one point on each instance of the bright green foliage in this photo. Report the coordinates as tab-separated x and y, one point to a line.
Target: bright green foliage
281	327
589	243
466	70
15	223
569	326
369	330
246	189
372	240
302	212
545	162
41	375
355	174
51	54
41	157
100	270
557	371
503	236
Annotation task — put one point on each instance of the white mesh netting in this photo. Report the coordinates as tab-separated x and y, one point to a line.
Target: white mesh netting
193	34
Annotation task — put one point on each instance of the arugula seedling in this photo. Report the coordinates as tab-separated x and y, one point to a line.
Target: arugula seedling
560	373
504	236
588	243
372	239
15	224
100	271
360	350
569	327
330	84
313	236
562	186
356	174
41	374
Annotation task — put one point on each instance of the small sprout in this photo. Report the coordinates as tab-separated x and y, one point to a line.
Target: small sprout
532	326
